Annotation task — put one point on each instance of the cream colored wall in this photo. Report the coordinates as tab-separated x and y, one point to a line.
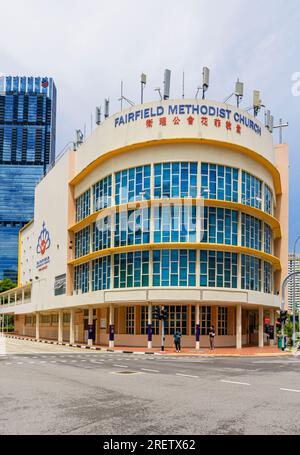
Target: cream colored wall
107	138
51	207
27	251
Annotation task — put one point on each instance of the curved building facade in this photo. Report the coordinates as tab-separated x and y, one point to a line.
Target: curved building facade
177	204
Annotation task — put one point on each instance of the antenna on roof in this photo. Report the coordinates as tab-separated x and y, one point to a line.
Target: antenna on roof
269	121
159	92
183	85
167	82
143	83
98	115
257	103
79	138
122	97
239	92
205	82
106	108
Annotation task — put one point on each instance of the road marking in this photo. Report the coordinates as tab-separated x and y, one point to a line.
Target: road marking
186	375
234	382
120	366
291	390
8	363
151	371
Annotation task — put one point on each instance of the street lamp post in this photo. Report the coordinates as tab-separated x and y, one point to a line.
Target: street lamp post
294	292
284	284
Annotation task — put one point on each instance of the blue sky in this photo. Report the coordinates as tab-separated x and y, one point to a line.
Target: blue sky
90	46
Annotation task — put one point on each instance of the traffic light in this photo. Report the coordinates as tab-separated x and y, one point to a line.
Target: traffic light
164	314
157	312
283	316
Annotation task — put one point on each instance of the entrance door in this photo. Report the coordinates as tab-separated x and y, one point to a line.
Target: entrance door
253	327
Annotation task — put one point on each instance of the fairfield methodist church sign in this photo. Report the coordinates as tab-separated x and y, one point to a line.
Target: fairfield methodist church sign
190	114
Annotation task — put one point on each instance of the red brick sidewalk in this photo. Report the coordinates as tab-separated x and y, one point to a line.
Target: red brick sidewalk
222	352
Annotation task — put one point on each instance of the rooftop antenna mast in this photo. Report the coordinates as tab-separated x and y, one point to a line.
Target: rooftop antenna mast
79	138
167	82
143	83
269	121
257	103
98	115
183	86
106	108
131	103
280	127
205	82
239	93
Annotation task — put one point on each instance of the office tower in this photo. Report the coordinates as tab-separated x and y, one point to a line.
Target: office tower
27	147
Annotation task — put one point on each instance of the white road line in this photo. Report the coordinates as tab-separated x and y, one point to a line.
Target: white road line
8	363
291	390
186	375
151	371
120	366
235	382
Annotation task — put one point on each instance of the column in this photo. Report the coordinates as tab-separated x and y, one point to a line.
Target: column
60	327
111	327
72	327
272	324
197	333
37	326
239	326
261	327
149	326
90	327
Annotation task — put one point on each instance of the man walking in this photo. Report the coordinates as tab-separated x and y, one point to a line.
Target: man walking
212	335
177	340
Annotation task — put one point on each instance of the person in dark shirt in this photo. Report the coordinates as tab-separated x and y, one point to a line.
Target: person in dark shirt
212	335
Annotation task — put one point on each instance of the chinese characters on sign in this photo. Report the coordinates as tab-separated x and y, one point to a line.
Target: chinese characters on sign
204	121
204	115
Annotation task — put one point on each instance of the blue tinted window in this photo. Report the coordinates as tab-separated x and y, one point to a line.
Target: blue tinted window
132	227
102	193
174	223
133	185
173	180
251	273
251	190
218	269
251	232
220	226
219	182
82	242
174	268
131	269
101	274
102	234
83	206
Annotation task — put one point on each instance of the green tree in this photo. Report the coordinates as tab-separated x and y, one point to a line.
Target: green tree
6	285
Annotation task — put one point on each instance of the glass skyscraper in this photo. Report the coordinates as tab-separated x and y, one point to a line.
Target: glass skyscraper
27	147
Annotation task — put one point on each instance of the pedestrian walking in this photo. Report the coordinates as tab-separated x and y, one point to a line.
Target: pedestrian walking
212	335
177	340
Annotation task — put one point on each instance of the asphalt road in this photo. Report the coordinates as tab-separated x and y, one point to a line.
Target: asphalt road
46	389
